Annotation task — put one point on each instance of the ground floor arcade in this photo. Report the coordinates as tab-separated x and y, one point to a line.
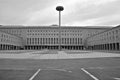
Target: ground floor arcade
110	46
10	47
53	47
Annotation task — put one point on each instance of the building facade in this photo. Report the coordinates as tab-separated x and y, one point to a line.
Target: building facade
47	37
10	42
106	40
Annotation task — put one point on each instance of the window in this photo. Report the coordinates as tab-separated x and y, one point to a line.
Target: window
113	32
32	40
81	40
2	35
43	40
116	36
75	40
116	31
70	40
62	40
35	40
57	40
1	40
67	40
51	40
40	40
27	40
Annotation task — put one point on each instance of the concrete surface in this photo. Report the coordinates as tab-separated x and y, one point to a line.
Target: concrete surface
58	55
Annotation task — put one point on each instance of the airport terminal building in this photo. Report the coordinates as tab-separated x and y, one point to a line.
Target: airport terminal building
47	37
106	40
9	41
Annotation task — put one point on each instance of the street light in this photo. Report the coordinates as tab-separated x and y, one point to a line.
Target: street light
59	8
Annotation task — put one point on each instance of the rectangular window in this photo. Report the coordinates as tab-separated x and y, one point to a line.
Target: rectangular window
32	40
54	40
38	41
67	40
57	40
35	40
43	40
51	40
70	40
81	40
27	40
78	41
62	40
75	40
48	40
116	31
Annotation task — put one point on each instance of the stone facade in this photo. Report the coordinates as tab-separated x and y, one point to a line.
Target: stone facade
47	37
106	40
10	42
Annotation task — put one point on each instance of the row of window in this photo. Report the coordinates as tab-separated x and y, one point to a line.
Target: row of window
12	31
11	39
55	34
108	36
53	30
54	40
7	36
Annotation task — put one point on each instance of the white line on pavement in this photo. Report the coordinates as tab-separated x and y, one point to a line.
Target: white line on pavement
33	76
95	78
117	78
60	70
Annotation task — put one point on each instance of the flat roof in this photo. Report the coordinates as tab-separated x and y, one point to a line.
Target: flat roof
80	27
104	31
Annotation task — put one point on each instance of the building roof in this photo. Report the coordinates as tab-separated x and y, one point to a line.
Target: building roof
104	31
75	27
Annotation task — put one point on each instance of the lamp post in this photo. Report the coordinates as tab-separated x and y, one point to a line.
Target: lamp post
59	8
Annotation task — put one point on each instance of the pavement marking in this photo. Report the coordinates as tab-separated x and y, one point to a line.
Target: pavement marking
117	78
57	69
104	67
33	76
51	68
60	70
70	71
97	67
95	78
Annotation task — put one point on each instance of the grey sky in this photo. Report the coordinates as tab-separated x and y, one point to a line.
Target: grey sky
77	12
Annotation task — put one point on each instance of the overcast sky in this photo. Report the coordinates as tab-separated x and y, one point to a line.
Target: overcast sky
76	12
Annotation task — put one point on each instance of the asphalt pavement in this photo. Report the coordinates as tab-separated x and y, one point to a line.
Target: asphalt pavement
92	68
